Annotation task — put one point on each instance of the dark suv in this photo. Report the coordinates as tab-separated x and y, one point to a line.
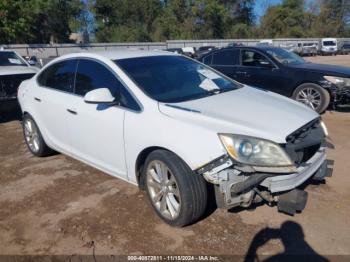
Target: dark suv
278	70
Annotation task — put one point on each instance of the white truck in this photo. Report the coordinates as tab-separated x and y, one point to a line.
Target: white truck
329	46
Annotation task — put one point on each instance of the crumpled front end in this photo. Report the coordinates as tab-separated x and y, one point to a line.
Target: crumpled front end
240	185
340	94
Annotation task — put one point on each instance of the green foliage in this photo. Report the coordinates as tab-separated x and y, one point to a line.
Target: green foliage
286	20
37	21
172	19
290	19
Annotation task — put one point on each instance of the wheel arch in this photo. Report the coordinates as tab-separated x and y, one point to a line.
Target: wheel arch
141	159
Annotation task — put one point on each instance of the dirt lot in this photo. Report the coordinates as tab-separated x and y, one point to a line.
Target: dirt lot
56	205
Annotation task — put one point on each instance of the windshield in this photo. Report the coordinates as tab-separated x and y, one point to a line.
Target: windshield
285	57
10	59
329	43
175	78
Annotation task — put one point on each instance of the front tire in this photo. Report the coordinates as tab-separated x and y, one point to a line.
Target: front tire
177	194
312	95
33	137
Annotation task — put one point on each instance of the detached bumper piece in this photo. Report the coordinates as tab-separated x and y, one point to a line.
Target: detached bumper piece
292	202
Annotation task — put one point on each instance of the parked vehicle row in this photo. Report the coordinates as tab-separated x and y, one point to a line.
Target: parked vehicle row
176	127
275	69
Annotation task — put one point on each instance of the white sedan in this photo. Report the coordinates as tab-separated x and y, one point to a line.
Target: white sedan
176	128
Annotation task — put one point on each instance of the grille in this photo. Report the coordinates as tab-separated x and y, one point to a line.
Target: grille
303	143
10	83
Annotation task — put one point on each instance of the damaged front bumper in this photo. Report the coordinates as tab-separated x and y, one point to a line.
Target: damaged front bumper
340	95
234	186
316	164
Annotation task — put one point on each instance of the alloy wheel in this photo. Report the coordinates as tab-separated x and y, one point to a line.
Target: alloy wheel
31	135
310	97
163	189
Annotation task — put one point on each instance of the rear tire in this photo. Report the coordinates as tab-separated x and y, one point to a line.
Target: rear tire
313	96
34	138
177	194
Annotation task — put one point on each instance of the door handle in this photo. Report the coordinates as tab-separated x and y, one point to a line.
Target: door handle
72	111
241	72
37	99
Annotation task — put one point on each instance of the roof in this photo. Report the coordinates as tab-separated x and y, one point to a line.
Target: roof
127	53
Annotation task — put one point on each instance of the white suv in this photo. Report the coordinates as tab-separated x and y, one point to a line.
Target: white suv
176	128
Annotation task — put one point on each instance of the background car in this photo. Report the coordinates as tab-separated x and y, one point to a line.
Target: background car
344	48
203	50
329	46
283	72
232	44
13	70
175	50
189	51
308	49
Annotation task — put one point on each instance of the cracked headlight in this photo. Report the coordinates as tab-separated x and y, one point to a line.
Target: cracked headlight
260	154
338	81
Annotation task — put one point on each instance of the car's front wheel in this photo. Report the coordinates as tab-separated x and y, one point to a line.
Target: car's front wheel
33	137
178	195
313	96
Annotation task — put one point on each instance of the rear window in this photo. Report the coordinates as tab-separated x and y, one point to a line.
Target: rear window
59	76
226	57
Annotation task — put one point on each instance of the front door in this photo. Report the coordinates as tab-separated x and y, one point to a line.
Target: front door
97	130
259	71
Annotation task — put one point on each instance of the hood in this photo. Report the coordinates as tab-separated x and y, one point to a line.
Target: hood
325	69
246	111
15	70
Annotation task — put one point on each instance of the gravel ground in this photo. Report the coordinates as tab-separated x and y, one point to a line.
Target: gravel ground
56	205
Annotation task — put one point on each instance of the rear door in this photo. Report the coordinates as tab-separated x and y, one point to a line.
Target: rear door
225	61
51	100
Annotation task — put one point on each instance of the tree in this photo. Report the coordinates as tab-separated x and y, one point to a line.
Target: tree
333	19
14	23
285	20
37	21
123	20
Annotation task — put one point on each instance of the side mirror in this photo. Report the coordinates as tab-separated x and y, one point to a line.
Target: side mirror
100	96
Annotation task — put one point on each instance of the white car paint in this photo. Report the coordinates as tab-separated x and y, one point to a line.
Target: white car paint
112	139
15	70
329	48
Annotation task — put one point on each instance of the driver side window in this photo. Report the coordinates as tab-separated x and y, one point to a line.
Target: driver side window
92	75
255	59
